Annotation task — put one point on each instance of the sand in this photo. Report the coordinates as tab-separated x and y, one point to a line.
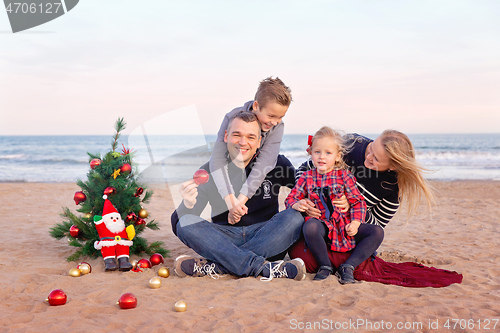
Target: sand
463	236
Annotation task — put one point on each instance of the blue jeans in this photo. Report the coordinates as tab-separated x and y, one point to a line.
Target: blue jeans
241	251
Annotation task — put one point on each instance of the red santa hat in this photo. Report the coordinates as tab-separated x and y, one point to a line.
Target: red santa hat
108	206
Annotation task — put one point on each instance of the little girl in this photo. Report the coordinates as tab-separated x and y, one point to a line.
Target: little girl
327	181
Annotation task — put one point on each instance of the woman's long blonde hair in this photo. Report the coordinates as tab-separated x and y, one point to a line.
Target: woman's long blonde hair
413	187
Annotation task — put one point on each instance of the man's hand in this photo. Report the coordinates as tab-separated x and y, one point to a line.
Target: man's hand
352	228
342	204
189	192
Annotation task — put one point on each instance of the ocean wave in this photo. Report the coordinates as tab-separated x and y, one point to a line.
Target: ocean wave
458	155
11	157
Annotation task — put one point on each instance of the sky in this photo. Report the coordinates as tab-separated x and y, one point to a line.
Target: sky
358	66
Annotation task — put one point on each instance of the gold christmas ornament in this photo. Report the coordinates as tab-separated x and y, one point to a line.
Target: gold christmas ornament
84	268
143	213
155	283
75	272
164	272
87	216
134	264
180	306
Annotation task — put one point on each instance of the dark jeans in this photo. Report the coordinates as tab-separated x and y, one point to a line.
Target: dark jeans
241	251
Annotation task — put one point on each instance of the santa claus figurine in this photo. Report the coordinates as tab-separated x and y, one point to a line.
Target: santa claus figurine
114	239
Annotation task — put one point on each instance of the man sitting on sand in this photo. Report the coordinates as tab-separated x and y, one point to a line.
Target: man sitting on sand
239	249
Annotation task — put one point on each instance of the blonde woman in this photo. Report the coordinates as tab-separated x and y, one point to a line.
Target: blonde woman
387	175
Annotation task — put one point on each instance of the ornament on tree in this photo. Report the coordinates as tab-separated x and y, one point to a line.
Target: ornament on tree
127	301
110	190
94	163
115	239
87	216
143	213
163	272
79	197
57	297
201	177
131	217
155	283
126	168
140	221
180	306
84	268
156	259
74	272
115	174
138	192
74	231
126	151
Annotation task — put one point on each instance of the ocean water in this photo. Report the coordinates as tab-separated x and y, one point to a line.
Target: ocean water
175	158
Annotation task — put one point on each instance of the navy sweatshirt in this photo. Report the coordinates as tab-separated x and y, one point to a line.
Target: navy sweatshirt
261	207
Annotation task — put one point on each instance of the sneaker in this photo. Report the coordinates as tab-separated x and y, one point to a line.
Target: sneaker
345	274
293	269
186	265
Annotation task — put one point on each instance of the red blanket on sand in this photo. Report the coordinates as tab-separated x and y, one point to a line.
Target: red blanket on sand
407	274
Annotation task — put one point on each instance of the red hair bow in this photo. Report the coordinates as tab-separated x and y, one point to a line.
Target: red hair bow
309	140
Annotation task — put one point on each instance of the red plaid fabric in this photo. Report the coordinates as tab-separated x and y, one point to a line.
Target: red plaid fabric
339	182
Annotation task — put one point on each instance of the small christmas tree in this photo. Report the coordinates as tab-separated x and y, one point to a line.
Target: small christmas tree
113	176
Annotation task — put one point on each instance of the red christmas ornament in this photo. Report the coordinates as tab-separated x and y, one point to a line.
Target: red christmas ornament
131	217
79	197
95	162
138	192
126	168
57	297
144	263
74	231
201	177
140	221
127	301
109	190
156	259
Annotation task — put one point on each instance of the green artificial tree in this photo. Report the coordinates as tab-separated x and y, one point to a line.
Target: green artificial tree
114	176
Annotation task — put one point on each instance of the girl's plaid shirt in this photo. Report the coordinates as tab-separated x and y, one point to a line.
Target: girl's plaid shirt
311	185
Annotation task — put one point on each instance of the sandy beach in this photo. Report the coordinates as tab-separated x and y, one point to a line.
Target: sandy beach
461	236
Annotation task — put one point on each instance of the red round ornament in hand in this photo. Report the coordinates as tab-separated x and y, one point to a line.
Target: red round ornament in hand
57	297
144	263
74	231
127	301
79	197
156	259
201	177
109	190
95	162
126	168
